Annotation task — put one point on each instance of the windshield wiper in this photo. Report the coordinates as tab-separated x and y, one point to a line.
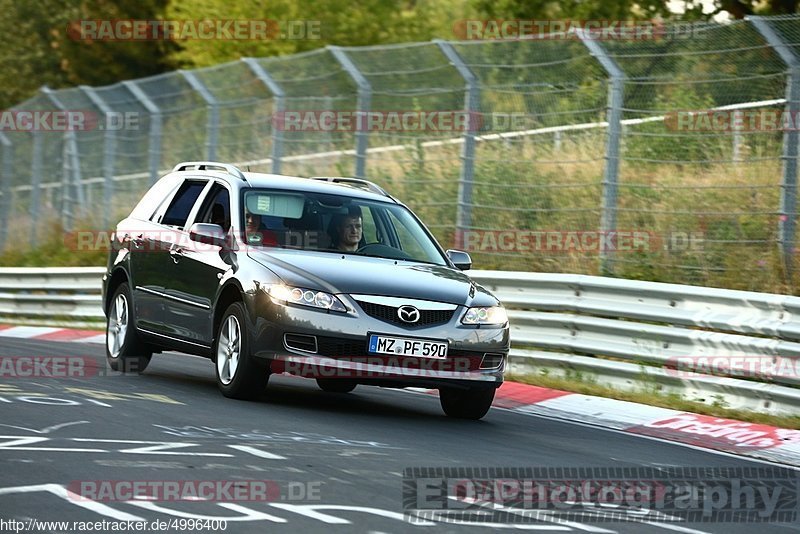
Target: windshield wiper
414	260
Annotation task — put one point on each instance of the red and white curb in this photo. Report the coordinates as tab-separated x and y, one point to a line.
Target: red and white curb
46	333
753	440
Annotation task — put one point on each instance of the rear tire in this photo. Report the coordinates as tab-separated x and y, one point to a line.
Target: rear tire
466	404
336	385
239	374
125	352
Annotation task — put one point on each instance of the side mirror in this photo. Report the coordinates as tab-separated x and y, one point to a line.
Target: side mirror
210	234
461	259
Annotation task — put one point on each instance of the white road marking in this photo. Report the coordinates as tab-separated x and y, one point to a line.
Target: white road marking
157	447
257	452
547	514
61	491
248	514
47	429
93	401
16	441
310	511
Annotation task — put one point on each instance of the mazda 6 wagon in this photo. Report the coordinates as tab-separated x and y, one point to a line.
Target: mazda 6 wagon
325	278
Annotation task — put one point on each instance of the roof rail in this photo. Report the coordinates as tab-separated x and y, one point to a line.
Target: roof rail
354	182
210	166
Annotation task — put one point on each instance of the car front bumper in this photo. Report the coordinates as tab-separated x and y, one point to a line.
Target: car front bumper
341	347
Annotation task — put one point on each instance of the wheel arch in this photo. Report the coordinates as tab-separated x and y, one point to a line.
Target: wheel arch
118	277
228	295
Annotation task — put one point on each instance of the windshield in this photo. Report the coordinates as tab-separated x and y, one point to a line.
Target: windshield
335	224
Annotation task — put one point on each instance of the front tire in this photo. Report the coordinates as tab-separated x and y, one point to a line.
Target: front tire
336	385
239	374
125	352
466	404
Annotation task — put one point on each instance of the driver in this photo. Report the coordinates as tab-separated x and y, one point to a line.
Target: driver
347	230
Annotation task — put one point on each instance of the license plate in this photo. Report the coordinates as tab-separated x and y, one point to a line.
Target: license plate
400	346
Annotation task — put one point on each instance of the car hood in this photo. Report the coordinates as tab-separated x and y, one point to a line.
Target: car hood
346	273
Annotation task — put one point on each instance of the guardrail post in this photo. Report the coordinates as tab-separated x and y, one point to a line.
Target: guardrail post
213	112
154	149
109	151
608	218
788	206
36	183
363	104
471	105
5	188
278	107
71	177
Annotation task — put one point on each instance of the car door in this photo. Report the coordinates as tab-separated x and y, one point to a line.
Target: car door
153	279
140	233
196	270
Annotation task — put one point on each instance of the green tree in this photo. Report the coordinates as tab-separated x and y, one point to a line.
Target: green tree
39	46
574	9
340	22
631	9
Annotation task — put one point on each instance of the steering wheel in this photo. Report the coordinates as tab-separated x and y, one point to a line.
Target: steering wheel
384	251
370	248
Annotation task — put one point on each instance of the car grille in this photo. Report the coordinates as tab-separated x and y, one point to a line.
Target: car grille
389	315
340	348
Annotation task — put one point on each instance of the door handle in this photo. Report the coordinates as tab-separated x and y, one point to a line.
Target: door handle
176	254
138	241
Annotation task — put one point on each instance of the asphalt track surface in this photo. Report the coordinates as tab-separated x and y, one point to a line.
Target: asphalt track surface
337	459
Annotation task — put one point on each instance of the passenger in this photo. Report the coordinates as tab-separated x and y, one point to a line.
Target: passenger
255	234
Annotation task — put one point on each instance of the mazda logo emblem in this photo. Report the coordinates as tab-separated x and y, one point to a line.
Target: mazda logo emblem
408	314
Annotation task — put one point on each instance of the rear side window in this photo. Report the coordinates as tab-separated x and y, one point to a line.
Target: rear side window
153	199
178	211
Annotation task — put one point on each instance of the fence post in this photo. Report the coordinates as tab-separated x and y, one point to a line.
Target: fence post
154	148
36	182
608	218
471	105
71	173
363	104
788	205
278	108
109	151
213	112
5	188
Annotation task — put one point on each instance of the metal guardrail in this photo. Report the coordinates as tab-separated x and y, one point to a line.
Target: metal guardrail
666	337
55	295
623	333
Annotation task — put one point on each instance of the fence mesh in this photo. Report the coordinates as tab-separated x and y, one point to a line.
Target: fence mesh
705	203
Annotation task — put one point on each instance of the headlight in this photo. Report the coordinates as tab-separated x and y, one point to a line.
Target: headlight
495	315
305	297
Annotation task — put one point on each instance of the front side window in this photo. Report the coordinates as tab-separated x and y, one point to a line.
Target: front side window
216	208
335	224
